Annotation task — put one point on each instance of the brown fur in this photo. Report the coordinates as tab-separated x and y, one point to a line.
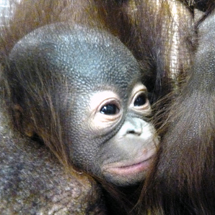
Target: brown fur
182	178
146	27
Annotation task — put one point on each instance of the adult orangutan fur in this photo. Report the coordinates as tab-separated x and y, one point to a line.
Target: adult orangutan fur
182	180
152	30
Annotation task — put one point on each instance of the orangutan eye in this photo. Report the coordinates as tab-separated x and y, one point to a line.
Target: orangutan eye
109	109
140	100
105	110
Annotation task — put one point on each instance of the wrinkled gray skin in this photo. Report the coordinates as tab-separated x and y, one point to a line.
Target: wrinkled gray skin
77	64
32	181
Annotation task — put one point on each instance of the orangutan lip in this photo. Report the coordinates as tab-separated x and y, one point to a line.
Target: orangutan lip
131	168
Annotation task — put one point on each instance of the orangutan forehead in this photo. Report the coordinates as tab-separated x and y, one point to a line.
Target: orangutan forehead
77	52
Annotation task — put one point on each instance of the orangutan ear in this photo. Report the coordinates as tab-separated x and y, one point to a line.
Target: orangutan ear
21	124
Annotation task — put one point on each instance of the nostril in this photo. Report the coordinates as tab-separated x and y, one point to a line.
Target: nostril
131	132
135	131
